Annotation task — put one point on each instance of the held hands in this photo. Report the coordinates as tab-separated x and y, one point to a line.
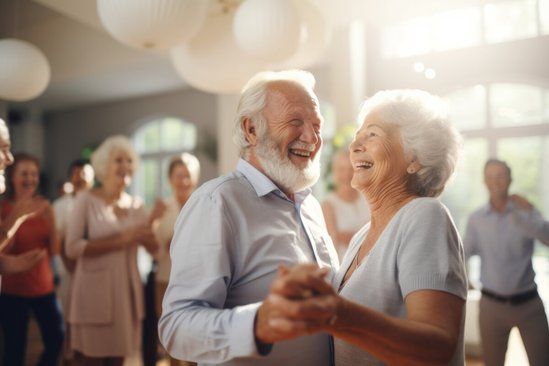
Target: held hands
142	234
300	302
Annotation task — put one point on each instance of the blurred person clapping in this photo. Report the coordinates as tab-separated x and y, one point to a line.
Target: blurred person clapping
106	227
31	235
22	210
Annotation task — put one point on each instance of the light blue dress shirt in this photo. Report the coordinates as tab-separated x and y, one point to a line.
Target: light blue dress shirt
505	243
229	239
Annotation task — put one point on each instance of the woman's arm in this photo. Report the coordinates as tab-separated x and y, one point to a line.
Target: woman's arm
427	336
21	211
131	236
10	264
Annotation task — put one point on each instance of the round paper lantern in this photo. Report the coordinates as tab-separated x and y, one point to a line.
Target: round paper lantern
268	30
152	24
211	61
24	70
315	36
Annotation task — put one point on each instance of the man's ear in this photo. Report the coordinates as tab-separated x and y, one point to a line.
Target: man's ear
250	131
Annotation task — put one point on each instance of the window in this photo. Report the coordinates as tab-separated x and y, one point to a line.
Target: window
543	12
468	107
512	124
510	20
495	21
465	191
516	105
156	142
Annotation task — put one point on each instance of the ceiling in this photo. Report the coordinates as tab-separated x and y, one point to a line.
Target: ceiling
89	66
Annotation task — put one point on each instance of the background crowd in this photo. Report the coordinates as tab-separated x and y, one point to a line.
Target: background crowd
81	282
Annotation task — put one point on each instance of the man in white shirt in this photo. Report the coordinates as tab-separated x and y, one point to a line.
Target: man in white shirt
235	231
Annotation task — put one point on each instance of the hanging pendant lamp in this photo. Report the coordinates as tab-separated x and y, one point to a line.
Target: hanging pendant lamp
152	24
24	70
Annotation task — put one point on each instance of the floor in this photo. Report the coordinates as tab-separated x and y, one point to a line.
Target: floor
516	356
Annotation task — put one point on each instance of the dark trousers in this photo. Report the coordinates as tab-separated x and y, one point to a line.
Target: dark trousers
14	318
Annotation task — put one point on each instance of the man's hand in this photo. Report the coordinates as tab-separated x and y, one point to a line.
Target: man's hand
20	263
301	302
521	202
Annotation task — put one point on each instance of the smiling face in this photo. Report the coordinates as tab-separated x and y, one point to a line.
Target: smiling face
378	158
497	180
25	179
181	182
120	168
289	151
6	158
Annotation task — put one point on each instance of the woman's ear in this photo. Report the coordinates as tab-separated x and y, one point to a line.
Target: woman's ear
413	167
249	129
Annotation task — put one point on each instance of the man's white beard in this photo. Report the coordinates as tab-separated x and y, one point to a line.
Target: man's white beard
282	171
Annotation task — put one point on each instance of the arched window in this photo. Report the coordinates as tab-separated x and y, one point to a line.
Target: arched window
508	121
156	142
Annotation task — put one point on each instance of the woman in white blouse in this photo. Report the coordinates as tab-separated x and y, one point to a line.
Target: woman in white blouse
183	174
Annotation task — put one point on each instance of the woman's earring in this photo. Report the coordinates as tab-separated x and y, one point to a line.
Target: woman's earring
410	170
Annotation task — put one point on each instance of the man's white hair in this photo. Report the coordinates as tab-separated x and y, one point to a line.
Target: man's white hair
253	99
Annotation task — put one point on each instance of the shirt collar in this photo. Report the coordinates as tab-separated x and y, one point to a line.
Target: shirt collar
509	206
263	185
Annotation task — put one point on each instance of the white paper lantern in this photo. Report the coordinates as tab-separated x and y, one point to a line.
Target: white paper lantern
152	24
316	33
211	61
24	70
268	30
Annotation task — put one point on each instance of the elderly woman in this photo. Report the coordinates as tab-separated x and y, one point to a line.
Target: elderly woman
103	233
183	175
402	284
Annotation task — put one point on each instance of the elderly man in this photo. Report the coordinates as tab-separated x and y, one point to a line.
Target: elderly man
22	262
235	231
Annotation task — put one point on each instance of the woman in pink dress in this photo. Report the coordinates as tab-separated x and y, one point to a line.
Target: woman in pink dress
103	233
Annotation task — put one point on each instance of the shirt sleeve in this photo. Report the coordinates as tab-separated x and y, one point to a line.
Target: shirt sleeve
194	325
431	254
76	240
532	224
